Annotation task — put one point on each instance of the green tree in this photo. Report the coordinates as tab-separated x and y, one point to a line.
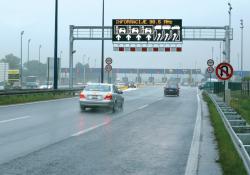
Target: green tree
13	61
34	68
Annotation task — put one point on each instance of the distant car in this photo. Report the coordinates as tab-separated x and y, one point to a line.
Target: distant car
171	89
101	95
31	85
131	84
46	85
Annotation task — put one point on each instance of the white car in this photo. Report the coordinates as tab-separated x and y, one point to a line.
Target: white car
101	95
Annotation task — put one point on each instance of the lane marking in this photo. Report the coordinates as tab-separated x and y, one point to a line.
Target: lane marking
89	129
193	157
14	119
142	107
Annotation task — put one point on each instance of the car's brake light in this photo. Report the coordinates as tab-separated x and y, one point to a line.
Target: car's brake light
108	97
82	96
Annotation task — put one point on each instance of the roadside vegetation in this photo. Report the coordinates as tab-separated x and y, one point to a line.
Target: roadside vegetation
241	103
15	99
229	159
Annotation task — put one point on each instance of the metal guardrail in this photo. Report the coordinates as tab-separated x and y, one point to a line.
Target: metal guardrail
38	91
237	128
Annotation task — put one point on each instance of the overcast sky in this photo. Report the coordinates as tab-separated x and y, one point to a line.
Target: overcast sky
36	18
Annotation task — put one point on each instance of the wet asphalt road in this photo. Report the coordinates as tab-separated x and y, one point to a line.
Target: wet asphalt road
151	136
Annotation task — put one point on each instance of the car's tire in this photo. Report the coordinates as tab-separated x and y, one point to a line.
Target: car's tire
121	106
114	108
83	108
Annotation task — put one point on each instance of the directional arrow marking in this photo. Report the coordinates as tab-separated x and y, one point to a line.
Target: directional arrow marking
174	38
166	36
138	37
128	37
148	37
159	36
118	37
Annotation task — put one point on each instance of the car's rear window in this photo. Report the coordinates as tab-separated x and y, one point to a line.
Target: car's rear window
171	86
102	88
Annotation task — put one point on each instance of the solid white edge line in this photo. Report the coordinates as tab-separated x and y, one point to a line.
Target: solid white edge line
142	107
88	130
193	157
14	119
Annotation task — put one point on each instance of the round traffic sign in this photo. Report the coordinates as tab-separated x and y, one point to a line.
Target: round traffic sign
224	71
108	67
108	60
210	70
210	62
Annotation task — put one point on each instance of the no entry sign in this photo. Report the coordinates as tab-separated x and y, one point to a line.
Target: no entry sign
224	71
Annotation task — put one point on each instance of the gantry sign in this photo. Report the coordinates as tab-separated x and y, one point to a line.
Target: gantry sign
147	30
188	33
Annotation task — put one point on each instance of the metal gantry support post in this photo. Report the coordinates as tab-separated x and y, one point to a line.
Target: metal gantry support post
71	45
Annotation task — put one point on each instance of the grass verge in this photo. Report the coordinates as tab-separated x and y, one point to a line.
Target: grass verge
230	160
16	99
241	103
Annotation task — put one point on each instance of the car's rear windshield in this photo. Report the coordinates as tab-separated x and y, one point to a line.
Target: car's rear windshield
171	86
102	88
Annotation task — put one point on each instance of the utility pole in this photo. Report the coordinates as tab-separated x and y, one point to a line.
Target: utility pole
102	61
55	47
28	53
241	55
21	57
39	54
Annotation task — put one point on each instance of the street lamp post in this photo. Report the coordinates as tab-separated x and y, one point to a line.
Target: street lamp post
229	31
28	53
241	55
102	59
39	54
21	60
55	47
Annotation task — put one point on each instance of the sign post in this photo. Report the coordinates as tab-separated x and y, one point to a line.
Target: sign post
210	70
108	67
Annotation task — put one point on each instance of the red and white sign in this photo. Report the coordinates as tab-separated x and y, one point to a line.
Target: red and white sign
210	70
224	71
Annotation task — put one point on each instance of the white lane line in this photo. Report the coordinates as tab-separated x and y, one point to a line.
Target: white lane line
193	157
89	129
142	107
14	119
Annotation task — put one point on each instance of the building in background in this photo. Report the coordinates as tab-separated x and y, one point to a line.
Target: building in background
50	69
4	67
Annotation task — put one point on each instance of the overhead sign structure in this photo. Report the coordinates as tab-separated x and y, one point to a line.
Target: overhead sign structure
147	30
210	62
210	69
224	71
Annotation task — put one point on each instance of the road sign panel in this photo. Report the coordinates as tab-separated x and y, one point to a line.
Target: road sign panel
147	30
108	67
210	70
108	60
210	62
224	71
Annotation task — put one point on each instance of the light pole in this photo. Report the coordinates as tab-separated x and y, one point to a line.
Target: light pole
39	54
241	55
102	59
55	47
61	54
28	53
21	57
229	31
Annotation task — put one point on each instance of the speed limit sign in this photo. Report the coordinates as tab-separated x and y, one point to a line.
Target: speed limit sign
108	60
210	62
